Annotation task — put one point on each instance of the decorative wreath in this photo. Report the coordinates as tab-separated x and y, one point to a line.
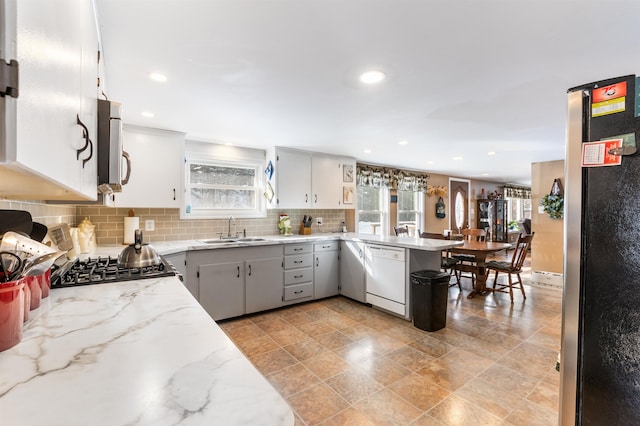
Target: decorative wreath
553	206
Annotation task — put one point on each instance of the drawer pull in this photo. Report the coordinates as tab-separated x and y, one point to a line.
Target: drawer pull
297	261
298	292
297	249
326	246
298	276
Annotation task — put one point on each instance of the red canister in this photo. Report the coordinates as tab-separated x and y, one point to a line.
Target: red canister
36	291
45	283
27	300
11	313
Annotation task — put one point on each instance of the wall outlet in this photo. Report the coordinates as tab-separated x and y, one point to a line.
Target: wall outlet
150	225
318	221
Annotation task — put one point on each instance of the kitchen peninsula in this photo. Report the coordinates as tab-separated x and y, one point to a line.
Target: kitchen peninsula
145	352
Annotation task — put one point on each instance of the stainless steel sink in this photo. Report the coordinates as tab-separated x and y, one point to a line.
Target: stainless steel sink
231	240
218	241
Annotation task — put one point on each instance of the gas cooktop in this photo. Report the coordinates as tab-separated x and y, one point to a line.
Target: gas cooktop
105	270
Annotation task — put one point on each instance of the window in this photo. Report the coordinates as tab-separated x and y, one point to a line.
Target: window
519	209
372	210
217	188
410	209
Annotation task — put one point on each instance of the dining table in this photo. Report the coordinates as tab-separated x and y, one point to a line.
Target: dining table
480	249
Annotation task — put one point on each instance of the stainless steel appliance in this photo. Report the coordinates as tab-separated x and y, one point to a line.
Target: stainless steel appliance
110	152
600	372
102	270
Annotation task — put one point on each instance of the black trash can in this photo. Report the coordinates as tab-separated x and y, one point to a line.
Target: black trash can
429	296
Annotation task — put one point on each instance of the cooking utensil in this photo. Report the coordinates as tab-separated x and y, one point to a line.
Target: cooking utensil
38	265
9	263
15	220
138	254
39	231
13	241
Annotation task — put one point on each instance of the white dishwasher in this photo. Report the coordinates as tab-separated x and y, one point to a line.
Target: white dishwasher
385	278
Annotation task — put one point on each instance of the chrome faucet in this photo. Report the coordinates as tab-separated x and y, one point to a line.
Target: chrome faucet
234	224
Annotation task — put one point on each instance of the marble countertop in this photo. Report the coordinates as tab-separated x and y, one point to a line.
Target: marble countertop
426	244
131	353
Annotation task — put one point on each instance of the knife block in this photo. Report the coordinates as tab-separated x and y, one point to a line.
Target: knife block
304	230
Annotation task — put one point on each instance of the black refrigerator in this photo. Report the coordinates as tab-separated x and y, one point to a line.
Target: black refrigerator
600	362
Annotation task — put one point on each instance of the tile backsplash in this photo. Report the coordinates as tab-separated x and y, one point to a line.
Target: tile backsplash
47	214
168	226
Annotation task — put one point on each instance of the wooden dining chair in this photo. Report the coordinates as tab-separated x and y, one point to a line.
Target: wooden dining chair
447	262
513	267
467	262
401	231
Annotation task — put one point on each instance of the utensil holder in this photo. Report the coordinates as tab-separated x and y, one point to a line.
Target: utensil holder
305	230
11	314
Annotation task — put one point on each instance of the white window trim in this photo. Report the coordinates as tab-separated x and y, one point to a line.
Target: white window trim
384	213
419	212
186	212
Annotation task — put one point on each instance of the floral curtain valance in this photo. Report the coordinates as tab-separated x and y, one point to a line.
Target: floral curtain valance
403	180
517	192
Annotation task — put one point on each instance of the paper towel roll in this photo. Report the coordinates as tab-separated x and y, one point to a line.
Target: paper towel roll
130	226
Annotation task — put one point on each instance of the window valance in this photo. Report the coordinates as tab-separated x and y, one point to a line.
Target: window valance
517	192
403	180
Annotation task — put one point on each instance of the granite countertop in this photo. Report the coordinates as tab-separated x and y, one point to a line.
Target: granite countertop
138	352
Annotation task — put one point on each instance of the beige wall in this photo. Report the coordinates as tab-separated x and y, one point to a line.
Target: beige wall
547	245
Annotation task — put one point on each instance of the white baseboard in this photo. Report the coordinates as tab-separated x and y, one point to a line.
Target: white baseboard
546	279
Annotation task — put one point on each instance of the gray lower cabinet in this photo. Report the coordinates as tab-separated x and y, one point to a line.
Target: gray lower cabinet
235	281
222	289
179	261
326	266
263	284
298	273
352	273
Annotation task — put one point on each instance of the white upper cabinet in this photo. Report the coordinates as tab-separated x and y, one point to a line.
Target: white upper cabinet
156	167
311	180
293	179
57	48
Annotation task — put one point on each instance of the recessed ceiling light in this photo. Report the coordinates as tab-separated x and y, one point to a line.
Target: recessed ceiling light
372	77
367	151
485	174
156	76
491	153
429	162
147	114
457	158
403	142
228	144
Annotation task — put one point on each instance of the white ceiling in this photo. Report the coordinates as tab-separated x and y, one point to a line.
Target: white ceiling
463	77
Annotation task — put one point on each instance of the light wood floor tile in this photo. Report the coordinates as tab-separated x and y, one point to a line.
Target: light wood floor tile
317	404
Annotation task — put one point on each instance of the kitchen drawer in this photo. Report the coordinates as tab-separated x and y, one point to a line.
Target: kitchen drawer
299	291
297	276
298	261
298	248
326	246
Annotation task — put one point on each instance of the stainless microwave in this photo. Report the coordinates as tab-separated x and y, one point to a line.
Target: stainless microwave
110	152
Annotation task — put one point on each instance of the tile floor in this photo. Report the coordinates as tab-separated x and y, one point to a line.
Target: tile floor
339	362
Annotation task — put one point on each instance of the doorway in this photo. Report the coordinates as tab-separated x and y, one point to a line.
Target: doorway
459	204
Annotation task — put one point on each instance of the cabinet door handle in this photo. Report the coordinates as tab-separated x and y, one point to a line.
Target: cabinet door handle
298	276
238	272
87	142
174	194
306	198
315	198
360	251
249	270
298	292
317	261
